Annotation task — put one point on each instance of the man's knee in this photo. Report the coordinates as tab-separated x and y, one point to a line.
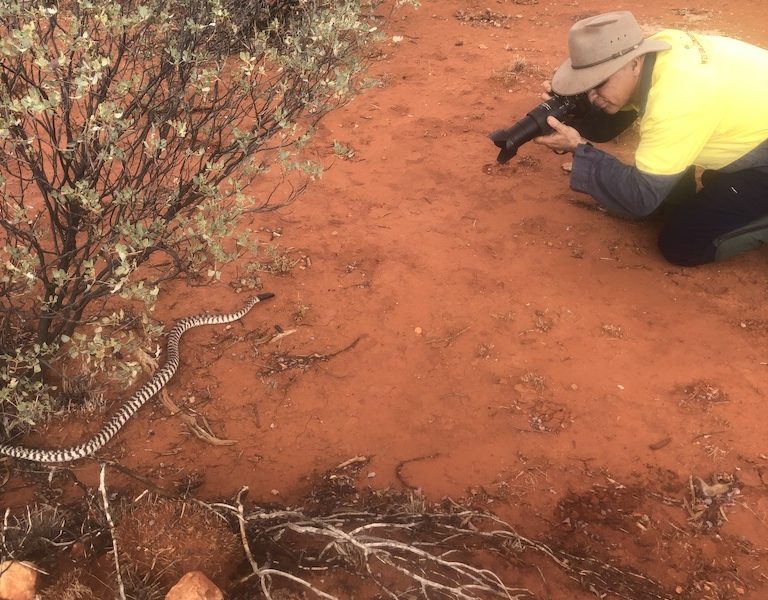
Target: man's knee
680	248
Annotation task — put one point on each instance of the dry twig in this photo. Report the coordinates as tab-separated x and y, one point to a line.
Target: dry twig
202	432
111	523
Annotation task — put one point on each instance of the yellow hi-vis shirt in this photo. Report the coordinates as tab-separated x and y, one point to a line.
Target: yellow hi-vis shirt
707	104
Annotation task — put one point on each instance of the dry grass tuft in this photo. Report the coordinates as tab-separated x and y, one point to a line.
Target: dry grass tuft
69	587
701	395
167	538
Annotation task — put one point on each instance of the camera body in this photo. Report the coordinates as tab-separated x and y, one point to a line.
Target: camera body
534	124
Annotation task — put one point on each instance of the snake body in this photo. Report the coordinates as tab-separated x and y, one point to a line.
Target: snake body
158	380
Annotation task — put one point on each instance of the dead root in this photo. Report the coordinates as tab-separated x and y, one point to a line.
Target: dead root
277	363
431	552
393	541
421	549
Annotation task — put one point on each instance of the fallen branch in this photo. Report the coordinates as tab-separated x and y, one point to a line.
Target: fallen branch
111	523
283	362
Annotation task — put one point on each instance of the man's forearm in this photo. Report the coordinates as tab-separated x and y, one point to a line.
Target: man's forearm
621	189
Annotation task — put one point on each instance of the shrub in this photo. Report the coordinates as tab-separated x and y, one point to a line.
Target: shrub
134	135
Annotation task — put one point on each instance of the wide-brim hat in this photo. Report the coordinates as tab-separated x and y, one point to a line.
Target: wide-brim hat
598	47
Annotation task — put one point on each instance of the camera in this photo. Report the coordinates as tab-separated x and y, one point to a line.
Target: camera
534	124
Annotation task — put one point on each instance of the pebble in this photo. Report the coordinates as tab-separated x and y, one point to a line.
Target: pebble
194	586
18	580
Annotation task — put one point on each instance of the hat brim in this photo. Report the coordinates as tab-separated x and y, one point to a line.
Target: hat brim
568	81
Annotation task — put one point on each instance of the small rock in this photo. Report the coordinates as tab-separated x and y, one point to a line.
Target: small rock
418	330
194	586
18	580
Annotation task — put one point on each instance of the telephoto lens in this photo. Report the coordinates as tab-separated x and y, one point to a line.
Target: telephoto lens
534	123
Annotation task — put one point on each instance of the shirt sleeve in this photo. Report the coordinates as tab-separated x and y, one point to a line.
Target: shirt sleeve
621	189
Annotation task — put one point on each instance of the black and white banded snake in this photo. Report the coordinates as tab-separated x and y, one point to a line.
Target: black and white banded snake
158	380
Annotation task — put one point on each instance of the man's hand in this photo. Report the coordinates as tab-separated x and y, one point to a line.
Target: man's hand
563	139
547	93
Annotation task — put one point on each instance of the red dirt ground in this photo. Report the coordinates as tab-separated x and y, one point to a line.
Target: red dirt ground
513	340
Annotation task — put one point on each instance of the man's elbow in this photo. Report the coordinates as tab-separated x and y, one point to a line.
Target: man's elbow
646	203
647	209
639	209
623	213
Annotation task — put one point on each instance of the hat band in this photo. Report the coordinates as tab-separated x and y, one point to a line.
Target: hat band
605	60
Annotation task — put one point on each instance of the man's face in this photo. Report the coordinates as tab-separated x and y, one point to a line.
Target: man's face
616	91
